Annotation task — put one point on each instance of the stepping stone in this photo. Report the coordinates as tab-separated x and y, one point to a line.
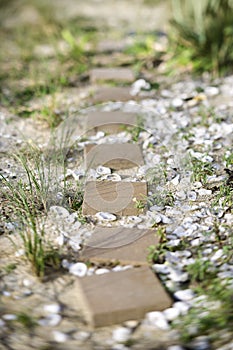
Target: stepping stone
112	74
116	297
115	156
115	93
112	45
119	244
110	122
115	197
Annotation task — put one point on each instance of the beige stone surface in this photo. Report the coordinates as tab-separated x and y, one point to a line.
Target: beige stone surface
115	93
119	244
119	198
125	75
110	122
115	156
115	297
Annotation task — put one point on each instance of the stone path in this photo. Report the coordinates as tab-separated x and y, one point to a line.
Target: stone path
117	296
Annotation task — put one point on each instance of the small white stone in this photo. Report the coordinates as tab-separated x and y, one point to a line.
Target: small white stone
182	307
173	242
9	317
211	91
175	181
178	276
81	335
184	295
217	255
51	320
102	170
175	347
19	253
2	323
101	271
161	268
177	102
181	195
132	324
105	216
121	334
27	282
171	314
65	264
195	242
111	177
204	192
60	337
60	240
79	269
157	319
59	212
52	308
191	195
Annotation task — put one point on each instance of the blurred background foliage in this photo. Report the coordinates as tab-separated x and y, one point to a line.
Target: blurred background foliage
203	33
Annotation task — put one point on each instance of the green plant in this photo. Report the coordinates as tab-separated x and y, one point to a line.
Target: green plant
10	267
29	199
201	169
26	320
204	30
201	270
210	318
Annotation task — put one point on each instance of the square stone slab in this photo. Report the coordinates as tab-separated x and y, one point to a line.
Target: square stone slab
109	122
112	45
115	93
119	244
125	75
115	156
116	297
115	197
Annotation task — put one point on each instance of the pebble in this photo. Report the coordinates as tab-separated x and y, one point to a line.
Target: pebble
59	212
182	307
161	268
105	216
171	314
52	308
157	319
60	337
102	170
101	271
184	295
175	347
121	334
211	91
51	320
2	323
9	317
79	269
204	192
177	103
81	335
111	177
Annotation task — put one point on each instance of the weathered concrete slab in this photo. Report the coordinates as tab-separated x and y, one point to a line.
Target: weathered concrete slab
108	46
125	75
119	244
121	198
115	156
120	296
110	122
115	93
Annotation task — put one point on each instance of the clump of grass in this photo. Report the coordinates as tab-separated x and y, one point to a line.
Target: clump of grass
200	170
216	313
29	199
204	33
